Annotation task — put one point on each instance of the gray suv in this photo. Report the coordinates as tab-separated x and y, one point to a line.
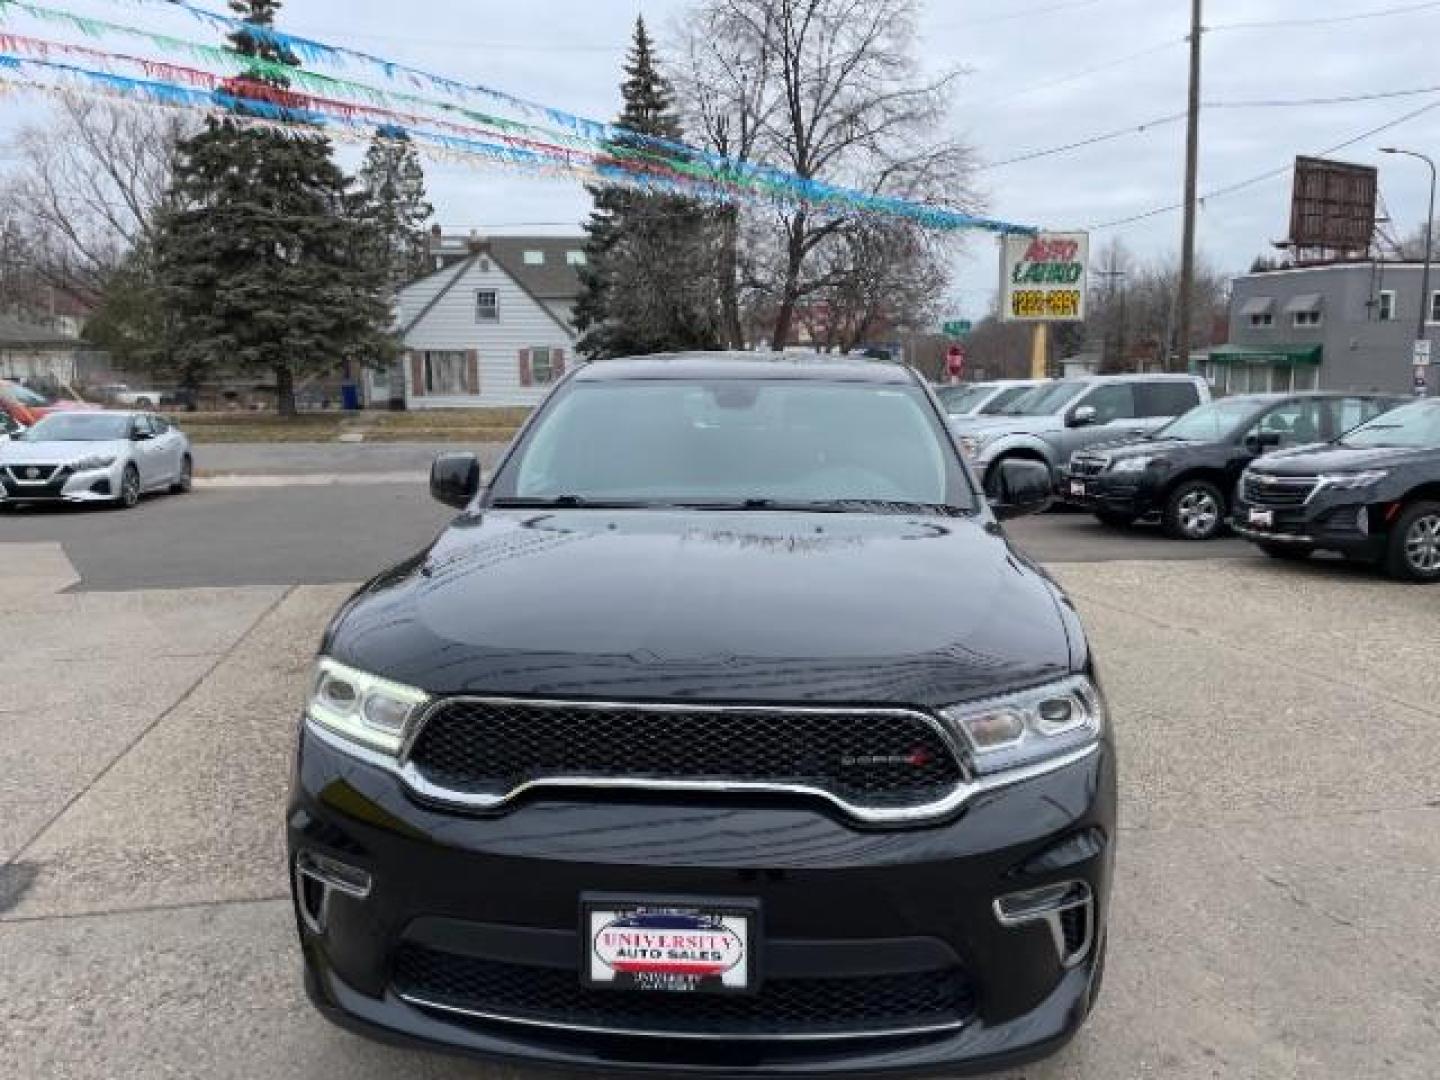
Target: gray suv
1054	420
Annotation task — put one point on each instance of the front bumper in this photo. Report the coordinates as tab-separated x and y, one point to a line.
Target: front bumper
500	895
1330	521
61	485
1129	494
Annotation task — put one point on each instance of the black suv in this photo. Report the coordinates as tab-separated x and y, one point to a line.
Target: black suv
1372	495
1185	472
723	732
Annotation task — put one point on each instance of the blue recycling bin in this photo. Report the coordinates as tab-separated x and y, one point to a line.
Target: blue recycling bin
350	396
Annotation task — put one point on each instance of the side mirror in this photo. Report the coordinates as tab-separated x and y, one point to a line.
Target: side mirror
455	479
1084	416
141	436
1263	441
1019	487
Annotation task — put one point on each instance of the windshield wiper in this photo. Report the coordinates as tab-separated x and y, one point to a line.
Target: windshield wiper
570	502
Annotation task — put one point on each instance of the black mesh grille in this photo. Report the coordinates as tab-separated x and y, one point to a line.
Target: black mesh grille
1288	492
781	1007
872	759
1080	466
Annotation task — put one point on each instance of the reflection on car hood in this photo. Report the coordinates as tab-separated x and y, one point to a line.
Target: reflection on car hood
1328	458
57	453
1133	447
717	606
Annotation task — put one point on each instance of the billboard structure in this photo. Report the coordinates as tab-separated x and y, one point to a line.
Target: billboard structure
1332	210
1043	277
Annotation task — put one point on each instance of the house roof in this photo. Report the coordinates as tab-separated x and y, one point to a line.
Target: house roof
554	277
17	334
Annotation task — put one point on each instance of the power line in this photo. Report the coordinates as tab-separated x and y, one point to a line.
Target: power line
1094	69
1281	103
1260	178
1326	20
1118	133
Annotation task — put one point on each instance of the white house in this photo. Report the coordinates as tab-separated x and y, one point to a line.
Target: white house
492	325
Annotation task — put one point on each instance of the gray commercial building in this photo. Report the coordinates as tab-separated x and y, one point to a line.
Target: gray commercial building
1343	326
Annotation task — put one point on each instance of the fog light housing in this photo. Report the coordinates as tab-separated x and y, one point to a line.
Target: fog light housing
1067	908
317	877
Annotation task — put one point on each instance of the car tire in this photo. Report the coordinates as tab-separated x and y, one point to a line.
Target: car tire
1413	551
187	477
1114	520
129	496
1195	511
1288	552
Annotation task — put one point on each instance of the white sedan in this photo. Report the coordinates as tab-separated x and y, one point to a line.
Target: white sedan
81	457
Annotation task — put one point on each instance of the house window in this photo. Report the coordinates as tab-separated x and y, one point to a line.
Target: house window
487	306
1307	318
542	366
1386	310
445	373
575	258
1262	319
534	258
1435	307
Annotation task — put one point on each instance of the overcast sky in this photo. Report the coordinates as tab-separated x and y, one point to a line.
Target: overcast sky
1041	73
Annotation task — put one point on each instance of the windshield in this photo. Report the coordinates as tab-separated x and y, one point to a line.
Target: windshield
736	444
25	396
1044	400
1002	401
961	399
1210	423
1414	426
79	427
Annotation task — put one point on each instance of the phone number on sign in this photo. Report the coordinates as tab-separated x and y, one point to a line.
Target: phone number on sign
1045	304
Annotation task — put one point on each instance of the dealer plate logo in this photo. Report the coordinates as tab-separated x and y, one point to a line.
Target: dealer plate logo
667	949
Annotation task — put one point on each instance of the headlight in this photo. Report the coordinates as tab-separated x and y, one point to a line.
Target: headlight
95	461
361	707
1133	464
1353	481
1031	726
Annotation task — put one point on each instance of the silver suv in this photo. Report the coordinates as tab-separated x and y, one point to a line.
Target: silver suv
1054	420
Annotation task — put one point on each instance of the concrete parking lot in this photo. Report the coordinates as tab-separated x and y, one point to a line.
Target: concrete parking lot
1278	885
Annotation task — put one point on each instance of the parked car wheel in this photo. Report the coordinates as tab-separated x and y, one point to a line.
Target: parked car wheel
1195	511
129	488
1414	551
1114	520
1288	552
187	477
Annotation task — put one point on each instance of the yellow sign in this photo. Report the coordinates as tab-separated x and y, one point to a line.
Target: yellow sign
1043	277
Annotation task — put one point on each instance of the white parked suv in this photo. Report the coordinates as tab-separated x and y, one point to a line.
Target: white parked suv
1054	420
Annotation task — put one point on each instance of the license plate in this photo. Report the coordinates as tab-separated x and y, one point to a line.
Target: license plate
669	946
1262	519
1077	488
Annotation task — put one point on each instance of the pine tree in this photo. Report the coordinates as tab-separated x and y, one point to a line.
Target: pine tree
390	200
646	286
259	257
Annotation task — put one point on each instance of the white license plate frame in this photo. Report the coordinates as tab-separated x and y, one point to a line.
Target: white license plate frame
1261	519
669	945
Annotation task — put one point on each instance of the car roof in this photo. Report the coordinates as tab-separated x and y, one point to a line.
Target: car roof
747	365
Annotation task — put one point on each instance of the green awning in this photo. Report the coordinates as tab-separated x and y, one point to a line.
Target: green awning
1265	354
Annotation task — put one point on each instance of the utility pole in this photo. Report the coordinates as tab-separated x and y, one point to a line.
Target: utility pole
1421	334
1181	361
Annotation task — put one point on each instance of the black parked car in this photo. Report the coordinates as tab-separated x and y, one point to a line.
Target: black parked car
1373	495
724	732
1184	473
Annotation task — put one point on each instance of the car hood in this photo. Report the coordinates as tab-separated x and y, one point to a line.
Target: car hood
1132	447
56	453
1330	458
718	606
1006	425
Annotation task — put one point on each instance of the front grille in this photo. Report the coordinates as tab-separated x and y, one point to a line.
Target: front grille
1279	491
871	758
1087	466
43	473
780	1008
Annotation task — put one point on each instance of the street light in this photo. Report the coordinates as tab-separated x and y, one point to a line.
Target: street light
1425	300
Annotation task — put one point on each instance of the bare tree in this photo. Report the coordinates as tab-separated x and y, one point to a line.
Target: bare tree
86	188
830	91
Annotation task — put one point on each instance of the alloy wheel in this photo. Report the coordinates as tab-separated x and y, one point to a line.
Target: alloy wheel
130	488
1422	544
1199	513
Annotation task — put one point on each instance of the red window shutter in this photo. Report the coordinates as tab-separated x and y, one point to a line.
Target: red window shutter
417	374
472	371
557	361
527	374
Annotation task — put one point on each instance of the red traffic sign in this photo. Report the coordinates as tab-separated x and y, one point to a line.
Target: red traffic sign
955	361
